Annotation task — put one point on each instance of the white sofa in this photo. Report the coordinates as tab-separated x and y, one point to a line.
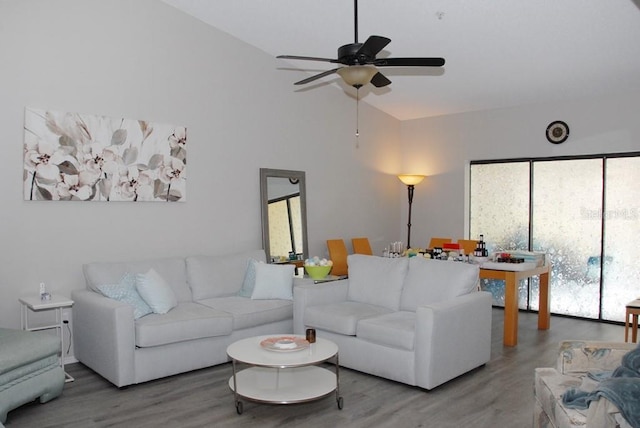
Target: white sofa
417	321
209	316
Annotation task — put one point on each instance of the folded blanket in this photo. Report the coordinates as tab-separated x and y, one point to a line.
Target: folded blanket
622	389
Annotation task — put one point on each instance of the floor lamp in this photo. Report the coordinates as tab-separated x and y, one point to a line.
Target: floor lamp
410	180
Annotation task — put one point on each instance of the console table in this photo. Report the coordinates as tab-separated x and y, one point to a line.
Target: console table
511	280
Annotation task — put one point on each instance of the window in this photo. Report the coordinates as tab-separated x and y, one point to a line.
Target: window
581	211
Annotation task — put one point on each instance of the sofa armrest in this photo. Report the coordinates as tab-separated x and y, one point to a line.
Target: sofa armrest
315	294
104	336
452	337
577	357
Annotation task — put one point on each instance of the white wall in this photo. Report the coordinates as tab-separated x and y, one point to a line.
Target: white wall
145	60
442	147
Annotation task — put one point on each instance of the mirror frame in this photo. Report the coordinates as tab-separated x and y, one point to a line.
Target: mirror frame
266	173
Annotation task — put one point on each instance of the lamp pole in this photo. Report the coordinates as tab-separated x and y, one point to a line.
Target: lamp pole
410	188
410	180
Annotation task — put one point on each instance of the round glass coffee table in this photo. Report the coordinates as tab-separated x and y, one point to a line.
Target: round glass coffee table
283	376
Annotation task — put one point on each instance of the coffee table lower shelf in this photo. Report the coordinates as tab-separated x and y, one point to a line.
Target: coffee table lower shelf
284	386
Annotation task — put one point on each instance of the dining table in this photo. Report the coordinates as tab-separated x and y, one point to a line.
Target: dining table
511	279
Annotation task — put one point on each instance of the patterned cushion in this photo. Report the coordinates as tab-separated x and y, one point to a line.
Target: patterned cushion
249	282
579	357
125	291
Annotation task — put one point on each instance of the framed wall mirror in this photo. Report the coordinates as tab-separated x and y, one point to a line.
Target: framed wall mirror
284	214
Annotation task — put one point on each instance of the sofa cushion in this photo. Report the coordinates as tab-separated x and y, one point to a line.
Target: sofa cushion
376	280
341	317
396	329
431	281
173	270
251	313
273	282
187	321
219	276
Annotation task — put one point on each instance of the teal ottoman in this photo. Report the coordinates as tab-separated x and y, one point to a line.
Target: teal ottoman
29	369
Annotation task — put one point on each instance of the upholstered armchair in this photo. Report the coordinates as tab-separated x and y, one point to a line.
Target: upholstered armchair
575	360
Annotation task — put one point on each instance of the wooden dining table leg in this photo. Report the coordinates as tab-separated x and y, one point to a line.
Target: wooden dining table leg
544	310
510	337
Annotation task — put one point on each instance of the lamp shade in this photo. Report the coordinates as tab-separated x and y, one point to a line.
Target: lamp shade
411	179
357	75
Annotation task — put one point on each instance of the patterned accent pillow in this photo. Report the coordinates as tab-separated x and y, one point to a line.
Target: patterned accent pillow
125	291
249	282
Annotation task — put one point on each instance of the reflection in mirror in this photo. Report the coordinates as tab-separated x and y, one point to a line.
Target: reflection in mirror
284	214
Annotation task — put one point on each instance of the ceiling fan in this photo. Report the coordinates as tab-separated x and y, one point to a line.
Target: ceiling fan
359	61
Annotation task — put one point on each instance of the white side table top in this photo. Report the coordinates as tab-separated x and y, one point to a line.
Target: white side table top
35	303
249	351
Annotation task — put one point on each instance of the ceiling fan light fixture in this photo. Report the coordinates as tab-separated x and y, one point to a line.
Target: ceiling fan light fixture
357	75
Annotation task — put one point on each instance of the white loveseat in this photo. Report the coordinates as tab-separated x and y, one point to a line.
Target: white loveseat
209	316
417	321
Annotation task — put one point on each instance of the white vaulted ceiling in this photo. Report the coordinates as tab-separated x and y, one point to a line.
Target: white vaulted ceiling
499	53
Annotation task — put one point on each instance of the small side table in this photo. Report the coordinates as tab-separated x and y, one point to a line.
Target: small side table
56	303
633	310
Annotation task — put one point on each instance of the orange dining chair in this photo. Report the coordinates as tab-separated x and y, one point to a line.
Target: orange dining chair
437	242
468	245
338	255
361	246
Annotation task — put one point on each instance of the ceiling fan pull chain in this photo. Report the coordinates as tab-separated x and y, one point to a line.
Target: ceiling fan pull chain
357	117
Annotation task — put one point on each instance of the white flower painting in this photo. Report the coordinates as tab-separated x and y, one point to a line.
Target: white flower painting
80	157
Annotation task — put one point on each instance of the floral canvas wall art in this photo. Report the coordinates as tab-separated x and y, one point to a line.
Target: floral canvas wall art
81	157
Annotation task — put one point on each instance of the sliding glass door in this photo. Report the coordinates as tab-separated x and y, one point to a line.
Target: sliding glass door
500	210
621	269
562	190
584	213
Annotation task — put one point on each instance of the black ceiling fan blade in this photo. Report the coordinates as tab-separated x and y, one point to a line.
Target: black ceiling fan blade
372	46
379	80
307	58
316	77
409	62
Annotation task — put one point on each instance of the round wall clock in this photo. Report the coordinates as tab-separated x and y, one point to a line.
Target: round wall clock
557	132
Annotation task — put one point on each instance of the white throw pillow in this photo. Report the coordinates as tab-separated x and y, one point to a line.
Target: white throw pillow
156	292
376	280
273	282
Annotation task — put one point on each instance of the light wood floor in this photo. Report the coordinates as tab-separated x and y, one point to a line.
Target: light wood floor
500	394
